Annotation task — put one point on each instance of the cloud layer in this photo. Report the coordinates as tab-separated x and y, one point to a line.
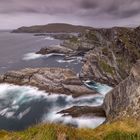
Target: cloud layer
101	13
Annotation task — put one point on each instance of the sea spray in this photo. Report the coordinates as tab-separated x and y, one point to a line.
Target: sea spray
33	56
100	88
22	106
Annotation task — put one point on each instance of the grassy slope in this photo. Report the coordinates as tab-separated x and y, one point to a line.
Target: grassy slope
126	130
52	28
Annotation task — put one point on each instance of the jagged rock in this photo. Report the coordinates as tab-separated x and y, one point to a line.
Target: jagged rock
113	55
108	53
78	111
54	49
124	100
53	80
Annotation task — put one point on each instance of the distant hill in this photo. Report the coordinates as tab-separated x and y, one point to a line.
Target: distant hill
52	28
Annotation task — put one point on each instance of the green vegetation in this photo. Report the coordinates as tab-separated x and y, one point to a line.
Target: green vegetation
91	36
106	67
130	43
118	135
121	130
124	66
73	39
107	52
53	28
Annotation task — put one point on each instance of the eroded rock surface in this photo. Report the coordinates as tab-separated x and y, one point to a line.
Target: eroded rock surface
114	52
124	100
78	111
53	80
54	49
108	54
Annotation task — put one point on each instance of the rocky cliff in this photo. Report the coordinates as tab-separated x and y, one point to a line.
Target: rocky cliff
124	100
109	53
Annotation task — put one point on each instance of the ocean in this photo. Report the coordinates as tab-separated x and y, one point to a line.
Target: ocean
18	51
24	106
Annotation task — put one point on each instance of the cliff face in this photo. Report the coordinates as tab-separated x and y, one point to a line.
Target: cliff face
124	100
109	54
112	52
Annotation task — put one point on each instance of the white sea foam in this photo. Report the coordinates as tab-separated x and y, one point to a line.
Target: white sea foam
72	59
33	56
13	97
54	54
101	88
22	114
64	61
81	122
49	38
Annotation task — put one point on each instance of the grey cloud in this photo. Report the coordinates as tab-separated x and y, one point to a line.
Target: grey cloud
88	4
117	8
89	12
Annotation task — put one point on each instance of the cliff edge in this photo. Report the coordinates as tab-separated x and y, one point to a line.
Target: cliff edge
124	100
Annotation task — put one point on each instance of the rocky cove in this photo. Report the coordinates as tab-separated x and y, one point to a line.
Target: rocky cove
58	88
31	96
109	57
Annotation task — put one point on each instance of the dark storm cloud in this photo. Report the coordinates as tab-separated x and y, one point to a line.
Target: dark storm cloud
89	12
88	4
116	8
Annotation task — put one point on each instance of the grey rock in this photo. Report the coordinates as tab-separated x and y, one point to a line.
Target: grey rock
124	100
52	80
78	111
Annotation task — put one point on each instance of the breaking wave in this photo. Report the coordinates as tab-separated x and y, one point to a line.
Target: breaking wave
33	56
72	59
22	106
49	38
101	88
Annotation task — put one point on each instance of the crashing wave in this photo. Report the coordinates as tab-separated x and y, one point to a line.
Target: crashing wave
33	56
21	102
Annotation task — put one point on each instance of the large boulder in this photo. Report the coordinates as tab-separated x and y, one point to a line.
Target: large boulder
124	100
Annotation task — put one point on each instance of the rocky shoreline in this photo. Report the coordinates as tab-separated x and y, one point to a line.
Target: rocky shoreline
122	102
108	57
52	80
108	54
56	81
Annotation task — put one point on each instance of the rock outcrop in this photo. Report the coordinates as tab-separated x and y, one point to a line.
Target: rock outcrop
108	54
113	53
78	111
124	100
55	49
53	80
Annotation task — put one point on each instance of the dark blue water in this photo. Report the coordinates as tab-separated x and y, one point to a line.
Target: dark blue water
14	47
22	106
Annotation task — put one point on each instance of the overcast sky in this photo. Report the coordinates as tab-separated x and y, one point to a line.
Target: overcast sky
97	13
